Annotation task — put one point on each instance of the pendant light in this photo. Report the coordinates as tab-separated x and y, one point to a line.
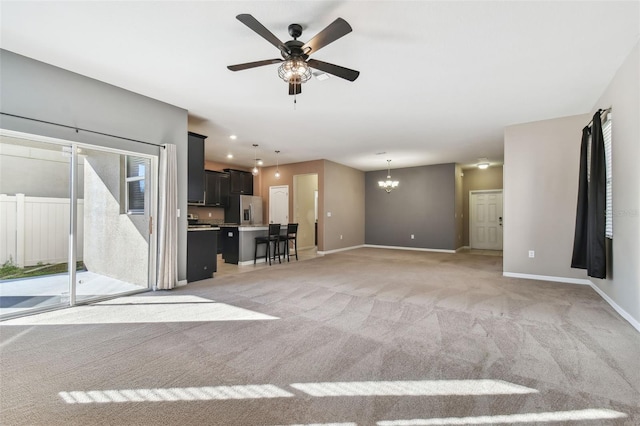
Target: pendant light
389	184
255	160
277	169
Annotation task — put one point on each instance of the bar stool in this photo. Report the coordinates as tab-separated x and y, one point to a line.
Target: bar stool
291	235
272	237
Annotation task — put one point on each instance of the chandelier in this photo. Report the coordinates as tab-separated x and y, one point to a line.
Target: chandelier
388	184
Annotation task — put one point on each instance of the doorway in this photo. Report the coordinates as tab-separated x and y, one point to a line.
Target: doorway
75	223
485	219
305	210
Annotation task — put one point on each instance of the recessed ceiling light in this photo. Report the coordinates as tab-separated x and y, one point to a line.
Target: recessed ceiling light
229	155
381	153
233	137
321	76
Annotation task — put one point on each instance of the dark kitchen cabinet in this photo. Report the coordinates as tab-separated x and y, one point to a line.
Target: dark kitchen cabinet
195	173
202	254
240	182
216	189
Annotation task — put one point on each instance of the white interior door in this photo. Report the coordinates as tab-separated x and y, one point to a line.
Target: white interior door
485	220
279	204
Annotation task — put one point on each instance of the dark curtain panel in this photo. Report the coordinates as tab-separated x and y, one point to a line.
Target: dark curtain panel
596	255
589	238
579	258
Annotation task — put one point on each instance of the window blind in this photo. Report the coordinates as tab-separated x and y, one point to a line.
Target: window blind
606	133
136	168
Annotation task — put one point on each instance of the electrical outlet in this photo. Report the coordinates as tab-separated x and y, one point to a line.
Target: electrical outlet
209	214
328	214
532	253
413	237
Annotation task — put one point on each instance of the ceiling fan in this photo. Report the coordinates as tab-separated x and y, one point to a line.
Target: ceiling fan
295	63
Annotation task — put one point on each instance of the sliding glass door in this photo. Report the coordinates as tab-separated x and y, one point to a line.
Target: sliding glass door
34	225
75	223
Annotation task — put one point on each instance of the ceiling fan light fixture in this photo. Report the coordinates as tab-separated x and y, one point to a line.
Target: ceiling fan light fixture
294	71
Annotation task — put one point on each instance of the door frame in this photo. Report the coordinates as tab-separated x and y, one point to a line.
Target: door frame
472	211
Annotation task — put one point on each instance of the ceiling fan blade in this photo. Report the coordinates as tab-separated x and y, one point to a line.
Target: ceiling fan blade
331	33
338	71
260	29
248	65
295	89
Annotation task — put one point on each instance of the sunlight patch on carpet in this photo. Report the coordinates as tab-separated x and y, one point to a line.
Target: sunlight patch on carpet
144	309
205	393
553	416
413	388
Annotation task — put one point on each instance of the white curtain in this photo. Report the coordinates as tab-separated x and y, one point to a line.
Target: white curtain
168	220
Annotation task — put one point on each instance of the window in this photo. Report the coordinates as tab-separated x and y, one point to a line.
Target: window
606	132
135	174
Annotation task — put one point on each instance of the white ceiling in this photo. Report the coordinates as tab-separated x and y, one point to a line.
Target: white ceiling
439	80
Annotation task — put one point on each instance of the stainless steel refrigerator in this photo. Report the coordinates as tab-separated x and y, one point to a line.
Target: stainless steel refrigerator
244	210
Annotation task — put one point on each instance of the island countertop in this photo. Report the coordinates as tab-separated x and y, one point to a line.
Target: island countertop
245	228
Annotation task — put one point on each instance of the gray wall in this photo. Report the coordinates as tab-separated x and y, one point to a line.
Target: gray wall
459	210
541	163
423	204
37	90
623	95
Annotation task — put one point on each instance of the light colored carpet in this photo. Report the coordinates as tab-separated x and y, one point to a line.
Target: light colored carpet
364	337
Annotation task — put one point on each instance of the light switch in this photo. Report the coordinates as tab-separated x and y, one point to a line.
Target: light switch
328	214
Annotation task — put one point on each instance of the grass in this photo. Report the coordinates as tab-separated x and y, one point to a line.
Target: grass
10	271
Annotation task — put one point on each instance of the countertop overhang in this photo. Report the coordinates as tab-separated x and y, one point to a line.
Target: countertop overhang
202	228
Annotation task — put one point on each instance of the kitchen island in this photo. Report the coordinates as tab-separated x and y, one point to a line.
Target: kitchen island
239	244
201	252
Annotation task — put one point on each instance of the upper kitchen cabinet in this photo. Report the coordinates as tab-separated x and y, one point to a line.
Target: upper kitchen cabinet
240	182
196	177
216	189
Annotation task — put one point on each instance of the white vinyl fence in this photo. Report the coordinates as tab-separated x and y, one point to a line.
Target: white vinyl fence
36	229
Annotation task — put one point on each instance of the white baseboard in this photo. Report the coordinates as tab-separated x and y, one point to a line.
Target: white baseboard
250	262
580	281
624	314
181	283
409	248
463	248
322	253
